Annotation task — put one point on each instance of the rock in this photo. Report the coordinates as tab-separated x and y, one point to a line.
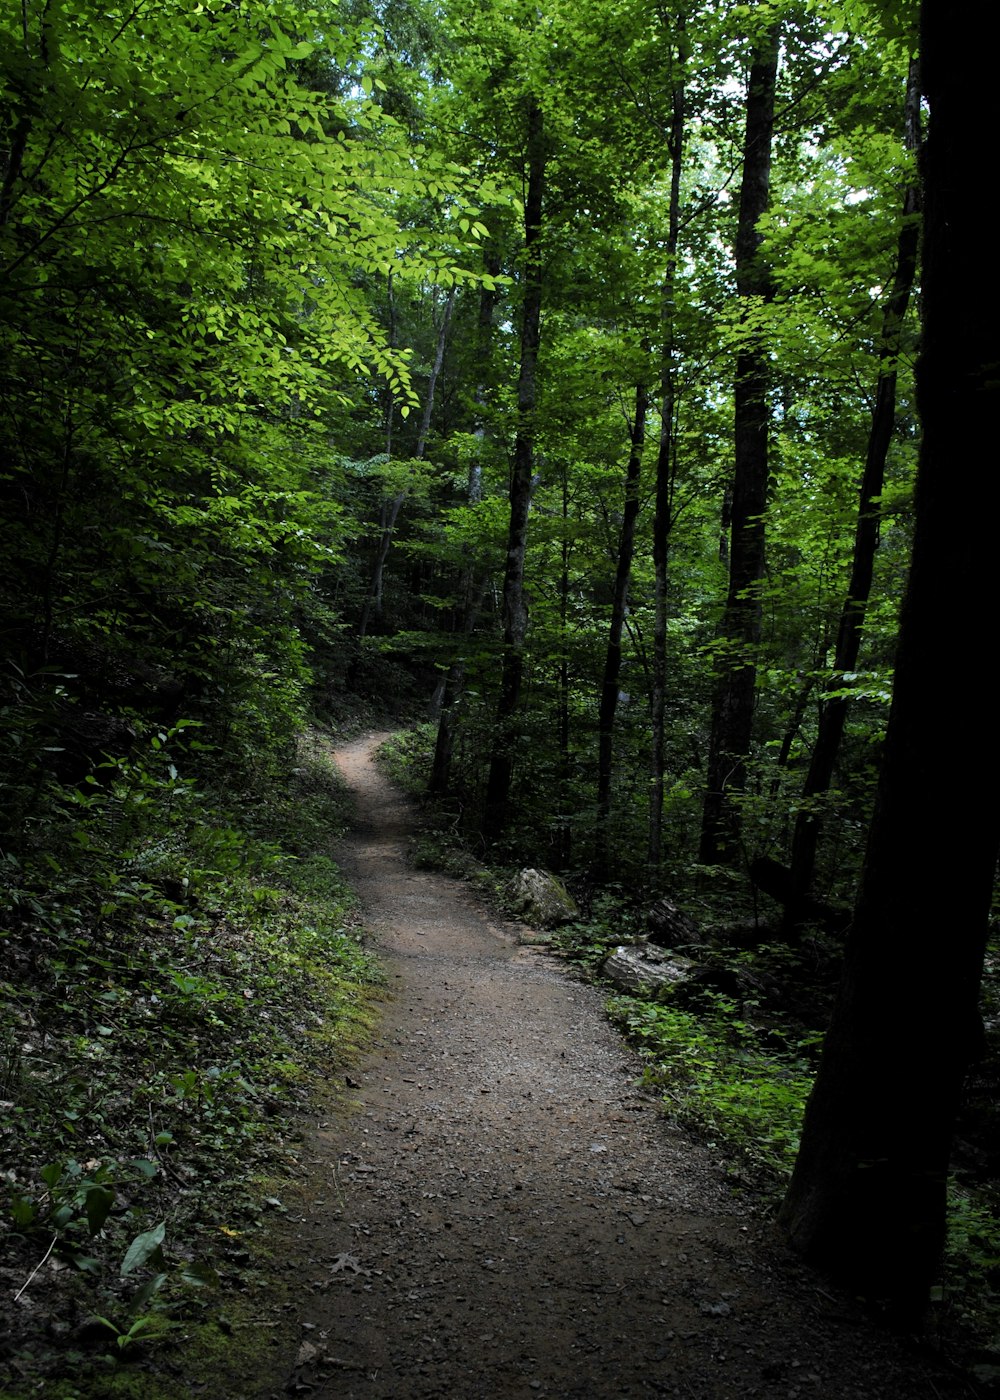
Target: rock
645	969
669	927
537	897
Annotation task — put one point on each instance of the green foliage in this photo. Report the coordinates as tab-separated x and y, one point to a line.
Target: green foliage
973	1238
407	756
971	1279
611	919
715	1075
195	203
164	1002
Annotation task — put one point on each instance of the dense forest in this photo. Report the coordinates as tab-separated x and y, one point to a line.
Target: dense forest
553	378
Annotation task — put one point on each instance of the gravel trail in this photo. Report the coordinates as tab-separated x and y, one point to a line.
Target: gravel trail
505	1214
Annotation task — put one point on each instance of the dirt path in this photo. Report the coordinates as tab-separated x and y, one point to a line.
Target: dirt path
505	1215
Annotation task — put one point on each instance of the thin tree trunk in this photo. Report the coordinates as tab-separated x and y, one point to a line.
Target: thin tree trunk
390	508
444	744
472	591
13	165
867	1198
389	513
833	713
794	725
613	659
665	474
515	611
435	374
732	710
562	843
49	574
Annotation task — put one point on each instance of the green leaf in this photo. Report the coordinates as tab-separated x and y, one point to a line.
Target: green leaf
143	1249
51	1174
148	1290
98	1203
199	1275
22	1211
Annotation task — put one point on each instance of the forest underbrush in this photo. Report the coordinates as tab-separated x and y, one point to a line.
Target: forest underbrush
179	964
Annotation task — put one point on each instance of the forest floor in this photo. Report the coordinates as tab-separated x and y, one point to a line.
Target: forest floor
501	1211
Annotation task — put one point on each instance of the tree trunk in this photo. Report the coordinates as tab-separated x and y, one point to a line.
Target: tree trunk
515	611
867	1197
613	659
833	712
732	710
435	375
390	508
439	782
665	473
20	132
470	590
388	515
562	839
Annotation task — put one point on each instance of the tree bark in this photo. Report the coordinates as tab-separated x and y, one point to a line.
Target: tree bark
833	712
867	1197
561	843
515	611
608	707
471	590
732	710
665	472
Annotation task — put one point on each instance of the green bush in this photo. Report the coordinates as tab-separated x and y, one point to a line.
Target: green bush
714	1075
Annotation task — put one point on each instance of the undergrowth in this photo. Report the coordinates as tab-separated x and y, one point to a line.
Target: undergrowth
177	964
713	1075
406	758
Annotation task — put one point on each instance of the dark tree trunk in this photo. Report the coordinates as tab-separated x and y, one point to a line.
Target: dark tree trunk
833	712
470	590
439	782
613	660
665	474
732	709
21	131
515	611
562	841
867	1197
388	515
